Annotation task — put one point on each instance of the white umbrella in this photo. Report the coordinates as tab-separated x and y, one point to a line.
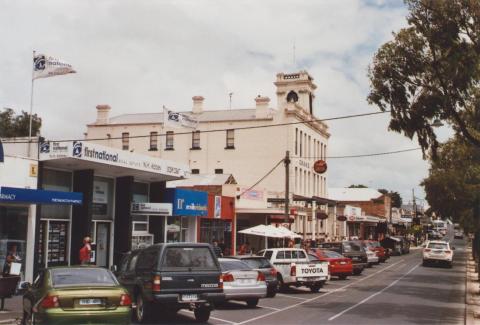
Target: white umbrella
287	232
264	231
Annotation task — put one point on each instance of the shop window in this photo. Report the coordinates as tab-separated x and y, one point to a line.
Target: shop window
140	227
195	171
218	171
125	140
102	203
13	233
153	141
169	140
140	192
230	139
196	140
55	180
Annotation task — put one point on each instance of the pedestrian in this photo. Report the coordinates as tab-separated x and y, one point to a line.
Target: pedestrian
12	257
85	251
222	246
291	243
244	248
216	249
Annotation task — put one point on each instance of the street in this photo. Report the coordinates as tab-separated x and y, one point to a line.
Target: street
400	291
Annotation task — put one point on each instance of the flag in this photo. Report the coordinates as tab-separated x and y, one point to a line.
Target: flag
2	158
178	120
47	66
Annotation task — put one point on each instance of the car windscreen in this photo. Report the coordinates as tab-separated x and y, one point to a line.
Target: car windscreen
351	247
257	263
67	277
332	254
187	259
232	265
437	246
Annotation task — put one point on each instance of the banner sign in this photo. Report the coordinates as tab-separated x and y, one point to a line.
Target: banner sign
93	152
187	202
178	120
164	209
47	66
25	195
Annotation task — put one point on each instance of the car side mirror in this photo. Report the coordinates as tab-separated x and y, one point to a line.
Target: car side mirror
114	268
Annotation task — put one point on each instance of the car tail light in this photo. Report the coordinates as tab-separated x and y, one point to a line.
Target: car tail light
273	272
261	277
427	250
227	277
293	270
125	300
50	302
156	283
448	252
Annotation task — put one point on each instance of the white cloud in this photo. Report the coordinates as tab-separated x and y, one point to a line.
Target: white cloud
138	55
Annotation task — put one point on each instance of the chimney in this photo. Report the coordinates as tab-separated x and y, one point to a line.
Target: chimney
197	104
261	108
102	114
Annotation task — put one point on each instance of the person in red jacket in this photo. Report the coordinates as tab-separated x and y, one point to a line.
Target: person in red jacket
85	251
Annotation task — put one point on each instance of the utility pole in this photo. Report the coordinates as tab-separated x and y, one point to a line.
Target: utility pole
414	206
286	161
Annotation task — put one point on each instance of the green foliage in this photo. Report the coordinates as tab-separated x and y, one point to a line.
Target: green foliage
431	69
12	125
453	184
358	186
396	198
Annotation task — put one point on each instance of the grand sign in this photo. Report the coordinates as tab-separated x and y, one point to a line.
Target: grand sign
88	151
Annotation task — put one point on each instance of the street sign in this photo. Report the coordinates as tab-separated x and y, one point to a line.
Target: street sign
320	166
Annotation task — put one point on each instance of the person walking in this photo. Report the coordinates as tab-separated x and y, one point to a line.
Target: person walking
12	257
216	249
85	251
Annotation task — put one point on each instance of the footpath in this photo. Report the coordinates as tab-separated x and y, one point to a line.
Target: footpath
472	291
12	313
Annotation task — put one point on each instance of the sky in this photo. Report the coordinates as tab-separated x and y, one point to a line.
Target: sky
138	55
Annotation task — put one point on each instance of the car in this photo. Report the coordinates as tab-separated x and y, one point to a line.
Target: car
381	252
263	265
458	234
164	278
438	251
241	282
404	244
76	295
294	268
350	249
339	265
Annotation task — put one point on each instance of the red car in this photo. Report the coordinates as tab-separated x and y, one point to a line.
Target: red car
339	265
378	249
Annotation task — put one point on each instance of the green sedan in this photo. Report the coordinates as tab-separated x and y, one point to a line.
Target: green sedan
76	295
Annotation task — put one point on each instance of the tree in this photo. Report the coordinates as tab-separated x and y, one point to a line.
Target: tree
12	125
396	198
430	70
358	186
453	185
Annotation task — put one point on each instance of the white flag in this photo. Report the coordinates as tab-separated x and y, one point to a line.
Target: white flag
178	120
47	66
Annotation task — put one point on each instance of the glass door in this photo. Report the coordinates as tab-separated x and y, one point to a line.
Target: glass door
102	243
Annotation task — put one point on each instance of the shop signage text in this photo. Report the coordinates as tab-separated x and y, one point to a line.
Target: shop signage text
13	194
152	208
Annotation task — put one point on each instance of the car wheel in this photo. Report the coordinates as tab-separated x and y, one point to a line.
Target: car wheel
449	265
142	310
316	288
271	292
424	263
202	314
280	285
342	277
357	272
252	303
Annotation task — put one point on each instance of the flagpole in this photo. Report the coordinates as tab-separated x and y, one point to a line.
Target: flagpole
31	107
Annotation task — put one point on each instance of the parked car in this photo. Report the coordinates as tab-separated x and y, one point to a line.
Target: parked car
378	249
404	244
350	249
295	269
339	265
458	234
393	244
164	278
438	251
263	265
241	282
76	295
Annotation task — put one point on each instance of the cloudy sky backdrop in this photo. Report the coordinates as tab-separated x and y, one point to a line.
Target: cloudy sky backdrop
137	55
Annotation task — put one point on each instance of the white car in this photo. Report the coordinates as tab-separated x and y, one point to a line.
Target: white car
372	258
438	251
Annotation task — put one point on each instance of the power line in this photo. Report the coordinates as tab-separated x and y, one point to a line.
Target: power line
363	155
216	130
261	179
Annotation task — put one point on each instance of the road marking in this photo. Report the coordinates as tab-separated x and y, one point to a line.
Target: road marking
215	318
317	297
266	307
373	295
289	296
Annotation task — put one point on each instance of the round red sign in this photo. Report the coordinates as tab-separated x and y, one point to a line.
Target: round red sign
320	166
341	218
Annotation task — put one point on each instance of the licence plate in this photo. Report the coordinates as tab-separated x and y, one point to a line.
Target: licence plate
90	301
190	297
246	281
343	262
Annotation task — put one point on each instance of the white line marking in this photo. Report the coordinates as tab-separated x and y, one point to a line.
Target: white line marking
266	307
317	297
373	295
215	318
289	296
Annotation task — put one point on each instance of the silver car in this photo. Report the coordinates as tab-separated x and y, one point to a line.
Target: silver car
241	282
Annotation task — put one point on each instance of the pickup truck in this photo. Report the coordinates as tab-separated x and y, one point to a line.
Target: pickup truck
294	269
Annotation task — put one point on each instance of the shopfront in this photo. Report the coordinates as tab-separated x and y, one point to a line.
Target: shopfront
219	225
187	207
